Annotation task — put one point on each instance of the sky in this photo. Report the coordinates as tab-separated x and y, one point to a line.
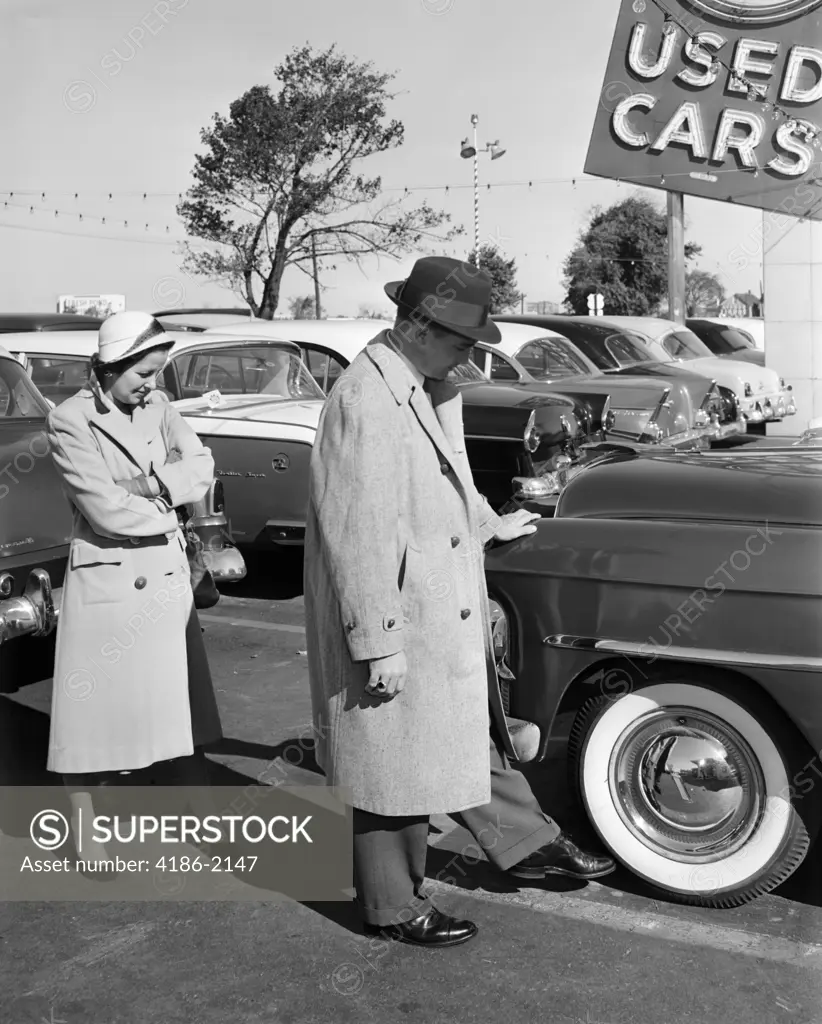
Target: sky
110	98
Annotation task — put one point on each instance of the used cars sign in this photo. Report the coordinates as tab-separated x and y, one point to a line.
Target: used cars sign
717	99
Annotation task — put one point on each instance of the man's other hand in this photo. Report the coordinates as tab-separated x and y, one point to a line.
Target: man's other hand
516	524
387	676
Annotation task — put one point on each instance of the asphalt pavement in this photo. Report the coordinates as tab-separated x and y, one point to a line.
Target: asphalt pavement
585	953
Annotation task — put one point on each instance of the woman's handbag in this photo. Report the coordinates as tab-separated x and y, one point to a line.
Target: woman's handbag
205	591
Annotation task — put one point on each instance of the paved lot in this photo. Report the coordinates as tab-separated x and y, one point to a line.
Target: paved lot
607	953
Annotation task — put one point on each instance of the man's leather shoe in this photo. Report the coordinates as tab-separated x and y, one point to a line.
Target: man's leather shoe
563	857
433	929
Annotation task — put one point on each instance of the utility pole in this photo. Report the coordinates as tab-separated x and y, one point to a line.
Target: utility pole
676	257
317	309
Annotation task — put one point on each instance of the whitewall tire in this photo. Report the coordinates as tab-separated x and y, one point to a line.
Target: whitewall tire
690	789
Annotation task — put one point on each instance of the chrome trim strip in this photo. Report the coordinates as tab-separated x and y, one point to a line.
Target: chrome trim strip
704	655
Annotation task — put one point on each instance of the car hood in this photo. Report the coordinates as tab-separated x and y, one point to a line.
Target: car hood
729	372
304	412
747	485
746	355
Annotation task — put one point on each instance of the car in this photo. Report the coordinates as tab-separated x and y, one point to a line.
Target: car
619	352
253	403
726	341
200	318
58	365
670	609
13	323
528	435
35	529
646	409
762	396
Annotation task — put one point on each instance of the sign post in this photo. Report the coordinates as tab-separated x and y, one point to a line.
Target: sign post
676	257
596	304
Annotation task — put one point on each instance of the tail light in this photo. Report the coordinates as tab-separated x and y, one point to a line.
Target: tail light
532	436
608	417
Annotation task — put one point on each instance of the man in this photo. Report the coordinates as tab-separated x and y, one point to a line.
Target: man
400	653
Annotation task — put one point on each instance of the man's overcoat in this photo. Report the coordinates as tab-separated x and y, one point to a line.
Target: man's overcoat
131	678
394	562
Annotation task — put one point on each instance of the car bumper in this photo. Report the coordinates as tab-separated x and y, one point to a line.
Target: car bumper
767	408
32	613
701	437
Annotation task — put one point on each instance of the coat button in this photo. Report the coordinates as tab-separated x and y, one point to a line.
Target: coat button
465	613
134	540
444	468
140	582
454	541
390	623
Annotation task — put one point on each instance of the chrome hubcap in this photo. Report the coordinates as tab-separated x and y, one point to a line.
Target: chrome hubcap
686	784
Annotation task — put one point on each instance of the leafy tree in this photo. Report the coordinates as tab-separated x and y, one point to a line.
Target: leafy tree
301	307
367	313
704	293
623	255
279	182
503	274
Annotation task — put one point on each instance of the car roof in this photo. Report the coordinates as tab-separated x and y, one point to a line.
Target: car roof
655	327
84	343
12	322
348	337
180	311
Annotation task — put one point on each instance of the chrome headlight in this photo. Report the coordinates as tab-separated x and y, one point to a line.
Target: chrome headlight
532	437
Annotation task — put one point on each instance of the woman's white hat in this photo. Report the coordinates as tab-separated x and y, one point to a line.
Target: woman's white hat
124	335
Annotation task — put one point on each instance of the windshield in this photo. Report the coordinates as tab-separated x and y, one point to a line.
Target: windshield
466	373
258	369
684	344
19	398
728	339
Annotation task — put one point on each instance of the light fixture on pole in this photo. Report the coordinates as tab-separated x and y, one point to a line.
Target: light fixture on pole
468	152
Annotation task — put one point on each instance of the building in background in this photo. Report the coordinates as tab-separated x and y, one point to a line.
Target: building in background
91	305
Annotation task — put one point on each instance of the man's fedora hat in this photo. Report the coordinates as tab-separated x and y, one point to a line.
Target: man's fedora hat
127	334
450	294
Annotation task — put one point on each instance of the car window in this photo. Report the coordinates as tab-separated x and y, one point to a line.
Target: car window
18	397
608	349
323	367
731	339
248	370
551	358
466	373
58	377
684	344
501	369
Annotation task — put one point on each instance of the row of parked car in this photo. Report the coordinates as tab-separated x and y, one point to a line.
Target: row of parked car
669	598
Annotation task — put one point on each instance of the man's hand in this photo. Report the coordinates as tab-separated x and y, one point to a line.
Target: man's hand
516	524
387	676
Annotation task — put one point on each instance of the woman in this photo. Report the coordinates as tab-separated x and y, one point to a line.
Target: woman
132	685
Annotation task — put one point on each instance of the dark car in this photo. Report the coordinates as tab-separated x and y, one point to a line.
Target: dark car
13	323
523	437
727	340
672	605
622	353
35	528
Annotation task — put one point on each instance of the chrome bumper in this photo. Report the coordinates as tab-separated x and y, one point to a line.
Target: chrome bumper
34	613
766	408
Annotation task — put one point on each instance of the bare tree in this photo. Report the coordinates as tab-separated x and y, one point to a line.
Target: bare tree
278	185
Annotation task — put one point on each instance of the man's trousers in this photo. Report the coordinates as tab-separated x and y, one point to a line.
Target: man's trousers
389	852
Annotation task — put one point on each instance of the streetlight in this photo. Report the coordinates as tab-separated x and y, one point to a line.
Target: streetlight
467	152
